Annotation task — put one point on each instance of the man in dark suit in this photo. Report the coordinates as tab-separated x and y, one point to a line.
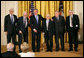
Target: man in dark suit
10	22
35	23
23	29
10	52
59	30
72	27
47	27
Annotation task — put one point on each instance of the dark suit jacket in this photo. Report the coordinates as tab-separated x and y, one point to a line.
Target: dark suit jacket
21	25
10	54
75	22
8	26
59	26
50	27
33	23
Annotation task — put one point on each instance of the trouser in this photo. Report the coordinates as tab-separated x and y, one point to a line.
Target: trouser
37	37
73	38
20	36
61	36
49	41
13	37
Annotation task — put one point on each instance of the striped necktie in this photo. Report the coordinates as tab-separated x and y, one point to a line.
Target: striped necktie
12	19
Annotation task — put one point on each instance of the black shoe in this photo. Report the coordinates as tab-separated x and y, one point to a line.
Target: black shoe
50	50
70	50
76	50
63	50
20	51
47	50
38	50
57	50
33	50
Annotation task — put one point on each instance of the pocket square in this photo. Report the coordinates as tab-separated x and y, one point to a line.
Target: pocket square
76	25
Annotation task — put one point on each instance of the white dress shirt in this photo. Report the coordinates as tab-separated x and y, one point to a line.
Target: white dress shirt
37	16
26	22
47	22
71	24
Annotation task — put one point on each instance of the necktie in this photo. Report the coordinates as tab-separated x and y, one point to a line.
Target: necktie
25	22
37	19
57	18
12	19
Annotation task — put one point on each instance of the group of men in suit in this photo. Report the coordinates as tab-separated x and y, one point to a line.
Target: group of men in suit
49	27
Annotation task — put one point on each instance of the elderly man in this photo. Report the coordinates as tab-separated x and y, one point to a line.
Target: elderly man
35	23
10	52
72	27
10	22
48	30
25	53
59	29
23	28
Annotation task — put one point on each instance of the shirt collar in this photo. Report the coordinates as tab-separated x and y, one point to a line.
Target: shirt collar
71	16
10	15
47	19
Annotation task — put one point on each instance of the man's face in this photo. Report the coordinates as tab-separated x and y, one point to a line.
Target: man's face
11	11
56	14
25	15
48	17
70	13
35	12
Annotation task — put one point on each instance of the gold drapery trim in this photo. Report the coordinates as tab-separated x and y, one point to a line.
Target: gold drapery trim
67	5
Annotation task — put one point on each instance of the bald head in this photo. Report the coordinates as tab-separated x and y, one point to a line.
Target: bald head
70	12
24	47
25	14
10	47
11	11
56	13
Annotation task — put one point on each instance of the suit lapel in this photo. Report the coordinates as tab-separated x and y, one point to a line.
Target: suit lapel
38	19
69	20
45	25
48	24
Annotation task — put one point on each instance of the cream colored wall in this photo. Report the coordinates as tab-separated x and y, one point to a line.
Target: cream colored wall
6	5
78	9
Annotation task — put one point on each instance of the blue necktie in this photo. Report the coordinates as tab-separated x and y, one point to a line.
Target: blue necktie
12	18
58	18
37	19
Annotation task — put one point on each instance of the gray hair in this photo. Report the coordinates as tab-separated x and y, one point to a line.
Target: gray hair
10	47
24	47
48	15
56	11
11	9
70	10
